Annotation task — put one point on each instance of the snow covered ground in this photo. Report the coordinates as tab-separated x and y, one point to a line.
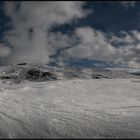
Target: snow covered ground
78	108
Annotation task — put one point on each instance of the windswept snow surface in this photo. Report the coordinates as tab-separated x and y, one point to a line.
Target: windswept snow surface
77	108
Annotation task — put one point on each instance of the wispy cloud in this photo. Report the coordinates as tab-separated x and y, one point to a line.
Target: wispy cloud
128	3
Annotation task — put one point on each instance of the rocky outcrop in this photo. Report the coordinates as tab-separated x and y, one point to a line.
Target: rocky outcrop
37	75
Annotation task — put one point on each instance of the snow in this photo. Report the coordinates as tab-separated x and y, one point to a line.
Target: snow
78	108
16	74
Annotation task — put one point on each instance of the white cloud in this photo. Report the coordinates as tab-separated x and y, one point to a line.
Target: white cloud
31	21
96	45
44	14
92	44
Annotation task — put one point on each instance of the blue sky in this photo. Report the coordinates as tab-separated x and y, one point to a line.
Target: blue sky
86	34
109	17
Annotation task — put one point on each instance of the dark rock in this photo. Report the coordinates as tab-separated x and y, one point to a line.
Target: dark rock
137	74
96	77
37	75
22	64
5	77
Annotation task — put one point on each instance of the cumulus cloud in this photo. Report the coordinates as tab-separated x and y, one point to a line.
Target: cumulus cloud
91	44
96	45
30	38
130	46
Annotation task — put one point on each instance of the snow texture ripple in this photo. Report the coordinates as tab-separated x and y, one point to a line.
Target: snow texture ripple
107	108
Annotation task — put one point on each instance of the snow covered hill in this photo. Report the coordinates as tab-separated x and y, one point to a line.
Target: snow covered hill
20	73
70	107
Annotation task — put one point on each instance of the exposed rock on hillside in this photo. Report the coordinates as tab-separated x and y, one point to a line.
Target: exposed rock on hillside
22	72
37	75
